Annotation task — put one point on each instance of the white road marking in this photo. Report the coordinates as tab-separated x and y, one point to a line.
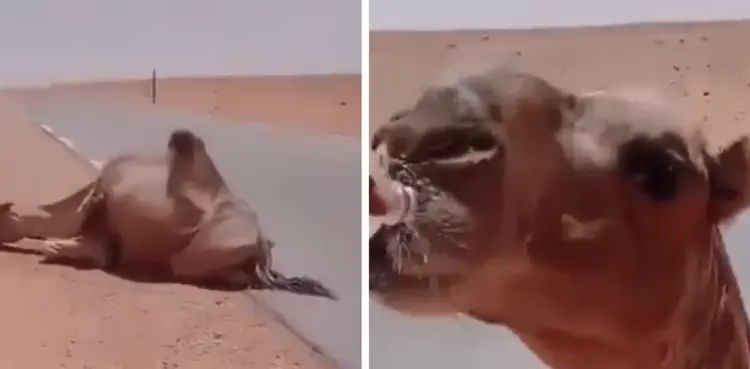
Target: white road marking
98	164
67	142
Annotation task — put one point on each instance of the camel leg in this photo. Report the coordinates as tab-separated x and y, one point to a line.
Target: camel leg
212	265
79	249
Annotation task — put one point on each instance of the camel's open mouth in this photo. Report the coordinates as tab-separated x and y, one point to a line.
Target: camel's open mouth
415	249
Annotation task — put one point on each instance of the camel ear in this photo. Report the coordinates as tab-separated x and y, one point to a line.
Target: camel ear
729	178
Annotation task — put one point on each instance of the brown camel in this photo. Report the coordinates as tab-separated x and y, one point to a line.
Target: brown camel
170	213
592	233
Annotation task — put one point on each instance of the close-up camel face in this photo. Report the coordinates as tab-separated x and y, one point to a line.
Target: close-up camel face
444	147
598	229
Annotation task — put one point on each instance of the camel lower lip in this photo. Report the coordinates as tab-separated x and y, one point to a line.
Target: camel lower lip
378	206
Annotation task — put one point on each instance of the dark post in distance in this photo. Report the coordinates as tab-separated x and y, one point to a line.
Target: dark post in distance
153	86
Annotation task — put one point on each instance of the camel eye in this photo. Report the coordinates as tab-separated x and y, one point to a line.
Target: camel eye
651	168
480	141
446	144
447	149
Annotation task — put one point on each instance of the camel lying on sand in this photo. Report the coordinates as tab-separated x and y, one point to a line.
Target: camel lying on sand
592	232
170	212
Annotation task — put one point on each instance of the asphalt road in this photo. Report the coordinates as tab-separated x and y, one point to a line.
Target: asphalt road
305	189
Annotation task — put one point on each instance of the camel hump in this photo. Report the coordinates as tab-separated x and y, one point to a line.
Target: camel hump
184	144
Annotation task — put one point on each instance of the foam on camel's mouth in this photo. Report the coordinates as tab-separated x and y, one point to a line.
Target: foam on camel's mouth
400	206
391	201
392	204
393	245
390	252
396	265
420	218
401	255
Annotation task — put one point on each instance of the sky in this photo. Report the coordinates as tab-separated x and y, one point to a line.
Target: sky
52	40
472	14
46	40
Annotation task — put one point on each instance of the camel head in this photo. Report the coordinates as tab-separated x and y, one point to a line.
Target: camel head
190	160
592	232
192	172
444	149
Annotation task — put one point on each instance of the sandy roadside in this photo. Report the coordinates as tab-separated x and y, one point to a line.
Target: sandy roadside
63	318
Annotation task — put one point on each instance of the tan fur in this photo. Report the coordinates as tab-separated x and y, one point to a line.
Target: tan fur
572	246
62	218
172	212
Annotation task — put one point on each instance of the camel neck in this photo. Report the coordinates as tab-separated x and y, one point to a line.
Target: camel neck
714	326
707	330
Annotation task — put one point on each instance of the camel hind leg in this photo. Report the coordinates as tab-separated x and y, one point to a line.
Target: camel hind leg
64	218
89	250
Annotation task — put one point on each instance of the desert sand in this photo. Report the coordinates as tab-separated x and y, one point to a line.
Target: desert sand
703	65
59	317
